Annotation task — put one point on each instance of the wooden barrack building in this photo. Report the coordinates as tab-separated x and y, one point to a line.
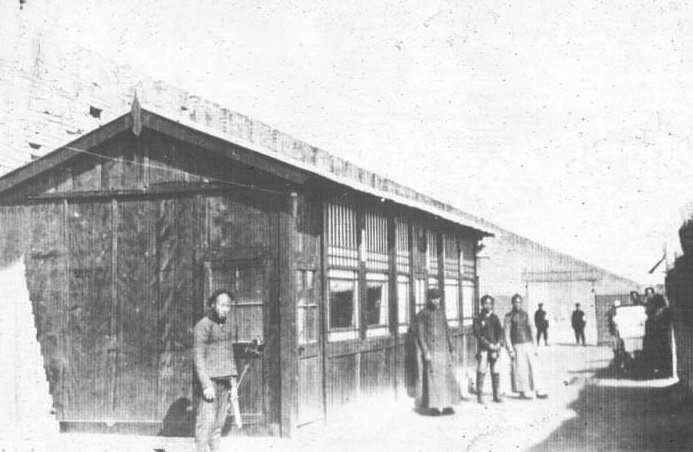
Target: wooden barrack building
125	234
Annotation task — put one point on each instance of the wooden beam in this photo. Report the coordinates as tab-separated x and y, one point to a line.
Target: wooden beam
323	303
361	275
288	352
155	190
224	148
63	154
394	305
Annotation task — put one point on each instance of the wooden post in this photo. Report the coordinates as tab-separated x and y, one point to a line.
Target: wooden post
441	267
363	289
393	301
288	353
323	301
116	322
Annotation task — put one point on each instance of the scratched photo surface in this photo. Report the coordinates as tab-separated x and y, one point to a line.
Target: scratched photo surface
399	225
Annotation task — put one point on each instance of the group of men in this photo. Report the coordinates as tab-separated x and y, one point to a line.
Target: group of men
647	350
439	388
217	374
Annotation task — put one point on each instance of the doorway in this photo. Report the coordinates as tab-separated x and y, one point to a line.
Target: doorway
248	281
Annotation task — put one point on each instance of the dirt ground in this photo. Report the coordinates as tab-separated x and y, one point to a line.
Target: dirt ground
587	410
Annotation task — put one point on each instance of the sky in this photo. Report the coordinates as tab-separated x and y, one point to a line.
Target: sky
570	123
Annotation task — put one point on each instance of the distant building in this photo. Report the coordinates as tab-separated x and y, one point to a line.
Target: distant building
512	264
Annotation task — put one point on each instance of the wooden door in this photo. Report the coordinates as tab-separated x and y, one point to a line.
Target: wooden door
248	280
310	390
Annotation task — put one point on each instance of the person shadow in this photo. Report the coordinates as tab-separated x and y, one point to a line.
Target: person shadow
179	420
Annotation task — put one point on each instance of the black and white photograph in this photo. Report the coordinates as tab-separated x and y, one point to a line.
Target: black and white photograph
397	225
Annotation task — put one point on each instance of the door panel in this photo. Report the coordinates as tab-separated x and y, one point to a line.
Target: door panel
248	281
137	370
310	401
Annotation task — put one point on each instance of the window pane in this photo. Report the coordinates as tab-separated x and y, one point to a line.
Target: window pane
307	307
420	294
376	303
403	299
301	288
342	303
307	324
452	308
467	303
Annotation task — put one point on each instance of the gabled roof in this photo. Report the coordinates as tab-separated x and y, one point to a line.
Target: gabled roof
300	161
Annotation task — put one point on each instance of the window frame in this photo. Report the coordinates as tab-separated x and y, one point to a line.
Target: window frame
311	305
346	332
380	329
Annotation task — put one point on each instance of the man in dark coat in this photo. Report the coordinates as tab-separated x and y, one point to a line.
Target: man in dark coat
578	322
489	335
657	341
542	324
439	388
215	368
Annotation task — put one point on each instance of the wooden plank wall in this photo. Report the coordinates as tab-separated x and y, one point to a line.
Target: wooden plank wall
90	336
175	233
113	277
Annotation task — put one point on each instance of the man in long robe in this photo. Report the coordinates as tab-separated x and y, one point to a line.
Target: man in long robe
439	388
519	340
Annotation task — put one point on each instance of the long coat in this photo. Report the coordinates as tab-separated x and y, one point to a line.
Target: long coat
438	386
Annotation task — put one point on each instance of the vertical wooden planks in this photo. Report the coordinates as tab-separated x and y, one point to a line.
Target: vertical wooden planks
237	222
46	276
342	381
137	359
376	372
175	313
89	339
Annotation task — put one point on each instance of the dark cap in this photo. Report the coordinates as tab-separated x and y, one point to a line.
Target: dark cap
487	297
433	293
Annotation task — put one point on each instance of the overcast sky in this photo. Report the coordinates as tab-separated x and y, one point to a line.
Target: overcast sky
568	122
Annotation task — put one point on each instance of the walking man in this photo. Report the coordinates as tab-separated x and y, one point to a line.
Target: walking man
489	335
578	322
542	324
439	388
215	368
519	340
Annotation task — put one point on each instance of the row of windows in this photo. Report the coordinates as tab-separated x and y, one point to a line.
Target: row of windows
344	320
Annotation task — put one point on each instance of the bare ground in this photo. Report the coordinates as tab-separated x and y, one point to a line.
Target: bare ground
587	410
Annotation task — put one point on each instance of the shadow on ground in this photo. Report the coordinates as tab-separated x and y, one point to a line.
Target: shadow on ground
615	418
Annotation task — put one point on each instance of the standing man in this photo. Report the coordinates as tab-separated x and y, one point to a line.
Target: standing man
634	297
612	321
439	388
489	335
519	340
542	324
657	343
578	322
215	368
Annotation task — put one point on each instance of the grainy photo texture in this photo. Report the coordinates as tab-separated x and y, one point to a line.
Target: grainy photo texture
399	225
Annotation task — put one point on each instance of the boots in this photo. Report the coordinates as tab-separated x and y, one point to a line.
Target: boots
495	383
480	387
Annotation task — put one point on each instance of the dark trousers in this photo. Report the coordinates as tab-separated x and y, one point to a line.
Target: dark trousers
211	416
580	335
543	332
